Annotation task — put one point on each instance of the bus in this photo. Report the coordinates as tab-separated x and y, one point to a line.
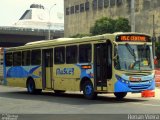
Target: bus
115	63
1	64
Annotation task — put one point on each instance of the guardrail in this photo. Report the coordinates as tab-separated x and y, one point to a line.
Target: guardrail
23	29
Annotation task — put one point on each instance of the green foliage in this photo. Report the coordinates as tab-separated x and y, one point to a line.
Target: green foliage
103	25
122	25
108	25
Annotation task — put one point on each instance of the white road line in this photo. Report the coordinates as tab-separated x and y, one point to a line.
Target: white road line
155	105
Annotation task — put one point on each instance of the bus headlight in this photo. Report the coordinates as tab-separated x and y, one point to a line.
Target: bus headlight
122	80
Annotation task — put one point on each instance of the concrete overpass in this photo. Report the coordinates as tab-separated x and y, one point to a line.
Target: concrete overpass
16	36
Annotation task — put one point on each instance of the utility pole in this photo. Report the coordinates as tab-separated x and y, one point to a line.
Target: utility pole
49	23
154	37
132	16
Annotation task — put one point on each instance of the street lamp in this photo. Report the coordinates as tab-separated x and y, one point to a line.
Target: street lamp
49	23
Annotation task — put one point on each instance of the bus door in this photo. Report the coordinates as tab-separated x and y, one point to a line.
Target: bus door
103	64
47	68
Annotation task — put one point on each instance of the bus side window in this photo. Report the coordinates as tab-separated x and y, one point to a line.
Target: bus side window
9	59
71	54
59	55
36	57
17	59
85	53
26	58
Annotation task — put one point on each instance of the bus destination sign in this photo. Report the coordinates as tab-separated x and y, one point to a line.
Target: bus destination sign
133	38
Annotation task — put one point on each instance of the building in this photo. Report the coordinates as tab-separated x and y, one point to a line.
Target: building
33	25
80	15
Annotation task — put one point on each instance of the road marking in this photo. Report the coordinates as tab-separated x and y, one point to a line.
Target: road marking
155	105
80	108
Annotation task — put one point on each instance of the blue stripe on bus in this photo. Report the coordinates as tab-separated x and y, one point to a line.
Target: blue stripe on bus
20	72
85	72
124	85
4	68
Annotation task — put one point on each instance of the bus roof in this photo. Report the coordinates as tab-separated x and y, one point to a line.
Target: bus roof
63	41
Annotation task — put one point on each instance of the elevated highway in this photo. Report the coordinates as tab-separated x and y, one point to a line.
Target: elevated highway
15	36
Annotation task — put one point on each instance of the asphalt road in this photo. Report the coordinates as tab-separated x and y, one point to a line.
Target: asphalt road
14	100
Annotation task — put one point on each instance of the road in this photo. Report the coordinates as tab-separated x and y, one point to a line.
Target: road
14	100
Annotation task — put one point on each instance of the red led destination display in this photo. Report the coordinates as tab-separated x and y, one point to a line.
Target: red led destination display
133	38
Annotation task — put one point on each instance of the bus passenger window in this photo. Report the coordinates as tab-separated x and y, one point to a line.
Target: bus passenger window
26	58
59	55
85	53
9	59
17	59
71	54
36	57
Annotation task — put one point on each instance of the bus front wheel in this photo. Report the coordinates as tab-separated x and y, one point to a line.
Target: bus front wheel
88	90
120	95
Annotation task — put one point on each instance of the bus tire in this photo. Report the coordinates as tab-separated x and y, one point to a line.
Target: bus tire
120	95
88	91
58	92
31	86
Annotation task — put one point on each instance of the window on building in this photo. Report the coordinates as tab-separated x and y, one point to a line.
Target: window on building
9	59
71	54
59	55
85	53
106	3
67	11
17	59
82	7
27	15
112	3
119	2
94	4
36	57
72	10
87	6
137	5
77	9
100	4
26	58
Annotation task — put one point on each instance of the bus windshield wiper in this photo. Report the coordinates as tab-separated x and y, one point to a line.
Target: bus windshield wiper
132	52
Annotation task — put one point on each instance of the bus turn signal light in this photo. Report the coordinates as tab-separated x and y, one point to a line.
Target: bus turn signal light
86	66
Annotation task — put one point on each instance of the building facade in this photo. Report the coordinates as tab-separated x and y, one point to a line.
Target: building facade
80	15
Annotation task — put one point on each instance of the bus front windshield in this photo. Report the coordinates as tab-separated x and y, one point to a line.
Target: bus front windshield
134	57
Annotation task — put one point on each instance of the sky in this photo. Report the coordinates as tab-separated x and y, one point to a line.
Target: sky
12	10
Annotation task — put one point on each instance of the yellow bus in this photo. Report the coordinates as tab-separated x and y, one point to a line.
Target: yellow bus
110	63
1	64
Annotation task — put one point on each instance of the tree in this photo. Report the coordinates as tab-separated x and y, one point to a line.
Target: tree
122	25
108	25
103	25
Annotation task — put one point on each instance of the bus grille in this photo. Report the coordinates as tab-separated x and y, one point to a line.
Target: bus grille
139	85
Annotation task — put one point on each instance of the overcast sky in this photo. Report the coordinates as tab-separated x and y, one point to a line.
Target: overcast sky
12	10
